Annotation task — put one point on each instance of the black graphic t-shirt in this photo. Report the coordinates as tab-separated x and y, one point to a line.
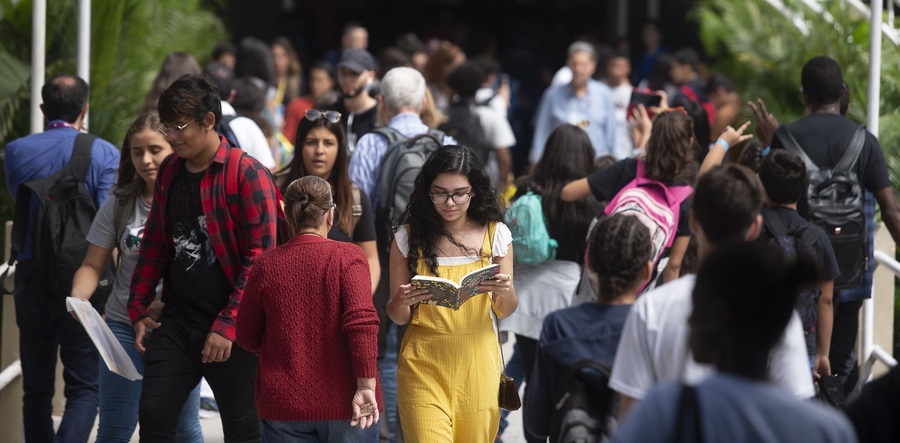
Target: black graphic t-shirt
199	286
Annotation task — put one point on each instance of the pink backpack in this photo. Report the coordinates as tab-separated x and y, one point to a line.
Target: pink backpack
656	205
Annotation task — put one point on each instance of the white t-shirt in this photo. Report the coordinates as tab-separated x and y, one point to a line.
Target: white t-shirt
621	97
736	410
497	129
249	137
654	347
499	247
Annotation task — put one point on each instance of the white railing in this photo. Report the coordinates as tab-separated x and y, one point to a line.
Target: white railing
872	353
14	370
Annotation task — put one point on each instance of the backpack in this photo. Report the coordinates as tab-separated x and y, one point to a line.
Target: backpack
834	201
798	241
401	165
233	197
226	131
531	240
62	220
583	409
464	125
656	205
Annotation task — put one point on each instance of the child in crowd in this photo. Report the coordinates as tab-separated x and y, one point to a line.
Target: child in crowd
621	256
783	175
743	299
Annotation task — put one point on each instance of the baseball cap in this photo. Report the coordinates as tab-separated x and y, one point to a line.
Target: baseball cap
357	60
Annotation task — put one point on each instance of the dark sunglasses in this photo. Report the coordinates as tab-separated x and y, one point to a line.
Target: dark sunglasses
314	114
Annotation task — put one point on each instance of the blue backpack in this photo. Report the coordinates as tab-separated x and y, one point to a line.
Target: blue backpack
526	221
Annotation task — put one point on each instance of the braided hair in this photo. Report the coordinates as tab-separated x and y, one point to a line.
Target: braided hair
619	249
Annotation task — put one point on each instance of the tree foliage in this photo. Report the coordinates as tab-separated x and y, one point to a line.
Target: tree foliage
763	50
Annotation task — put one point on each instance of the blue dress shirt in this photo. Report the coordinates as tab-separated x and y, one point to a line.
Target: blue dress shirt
560	105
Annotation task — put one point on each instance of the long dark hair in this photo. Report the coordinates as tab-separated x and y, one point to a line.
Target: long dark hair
339	179
426	226
568	155
670	147
130	184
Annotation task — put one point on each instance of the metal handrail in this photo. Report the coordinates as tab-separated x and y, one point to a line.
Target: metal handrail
873	353
14	370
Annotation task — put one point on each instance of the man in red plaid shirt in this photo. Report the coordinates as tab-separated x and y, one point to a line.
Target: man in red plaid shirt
203	253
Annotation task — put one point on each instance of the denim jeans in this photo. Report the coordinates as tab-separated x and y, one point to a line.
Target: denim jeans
119	398
387	375
45	331
331	431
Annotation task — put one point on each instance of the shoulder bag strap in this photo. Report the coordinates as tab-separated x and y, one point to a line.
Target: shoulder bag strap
790	143
688	421
124	209
356	208
80	162
851	155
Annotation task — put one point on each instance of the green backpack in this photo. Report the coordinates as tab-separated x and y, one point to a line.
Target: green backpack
531	240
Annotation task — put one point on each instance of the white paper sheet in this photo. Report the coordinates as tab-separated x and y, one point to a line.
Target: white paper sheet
112	352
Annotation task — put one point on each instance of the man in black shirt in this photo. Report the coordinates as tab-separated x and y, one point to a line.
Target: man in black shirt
356	72
824	135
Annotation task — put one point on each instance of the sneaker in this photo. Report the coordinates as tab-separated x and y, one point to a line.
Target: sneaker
208	407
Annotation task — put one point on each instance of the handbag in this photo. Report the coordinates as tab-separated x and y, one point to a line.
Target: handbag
508	397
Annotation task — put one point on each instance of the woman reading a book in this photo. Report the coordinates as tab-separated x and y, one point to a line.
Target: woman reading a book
449	364
307	313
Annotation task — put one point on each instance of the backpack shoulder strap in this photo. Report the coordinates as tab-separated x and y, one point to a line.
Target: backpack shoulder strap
124	208
80	161
790	143
851	155
438	135
232	169
356	207
390	133
773	224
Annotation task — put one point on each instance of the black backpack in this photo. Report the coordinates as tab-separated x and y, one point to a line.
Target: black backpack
834	201
61	223
226	131
794	242
401	165
464	125
583	409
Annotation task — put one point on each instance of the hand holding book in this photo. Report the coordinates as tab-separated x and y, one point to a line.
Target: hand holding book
409	295
450	294
498	286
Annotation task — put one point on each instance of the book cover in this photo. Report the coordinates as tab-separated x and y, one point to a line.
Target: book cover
450	294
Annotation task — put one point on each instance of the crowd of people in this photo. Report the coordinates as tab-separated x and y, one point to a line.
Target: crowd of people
270	221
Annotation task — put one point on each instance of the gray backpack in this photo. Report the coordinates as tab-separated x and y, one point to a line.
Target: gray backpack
401	165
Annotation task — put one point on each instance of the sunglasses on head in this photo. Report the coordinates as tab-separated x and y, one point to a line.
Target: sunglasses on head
315	114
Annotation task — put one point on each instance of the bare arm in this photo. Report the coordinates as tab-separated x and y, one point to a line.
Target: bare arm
824	326
404	295
87	277
575	190
715	155
676	256
371	250
890	212
626	403
501	286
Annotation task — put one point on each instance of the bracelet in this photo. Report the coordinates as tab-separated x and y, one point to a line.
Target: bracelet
766	151
723	143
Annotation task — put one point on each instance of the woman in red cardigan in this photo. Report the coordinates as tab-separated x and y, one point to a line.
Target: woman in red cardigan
307	313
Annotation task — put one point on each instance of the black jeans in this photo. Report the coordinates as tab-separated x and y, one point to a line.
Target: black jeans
843	343
173	367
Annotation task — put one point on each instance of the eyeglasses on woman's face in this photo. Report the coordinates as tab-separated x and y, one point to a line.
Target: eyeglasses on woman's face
442	197
165	129
314	114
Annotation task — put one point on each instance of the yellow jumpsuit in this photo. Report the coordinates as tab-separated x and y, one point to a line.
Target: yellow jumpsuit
449	366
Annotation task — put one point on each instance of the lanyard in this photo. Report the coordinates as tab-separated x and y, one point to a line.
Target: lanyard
60	124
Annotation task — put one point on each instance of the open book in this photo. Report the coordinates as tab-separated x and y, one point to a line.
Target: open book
448	293
112	352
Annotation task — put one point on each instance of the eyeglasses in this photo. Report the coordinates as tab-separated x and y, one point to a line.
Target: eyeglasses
165	129
679	110
314	114
443	197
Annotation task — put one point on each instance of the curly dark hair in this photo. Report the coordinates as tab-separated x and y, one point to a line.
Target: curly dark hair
670	148
426	226
620	248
